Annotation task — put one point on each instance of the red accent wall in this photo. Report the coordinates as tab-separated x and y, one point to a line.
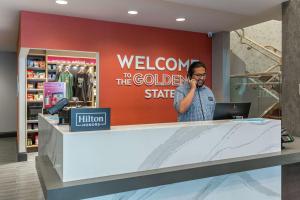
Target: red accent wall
128	103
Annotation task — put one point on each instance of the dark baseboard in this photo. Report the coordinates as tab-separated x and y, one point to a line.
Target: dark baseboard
8	134
22	157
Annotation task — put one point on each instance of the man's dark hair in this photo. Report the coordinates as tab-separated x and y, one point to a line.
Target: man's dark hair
193	66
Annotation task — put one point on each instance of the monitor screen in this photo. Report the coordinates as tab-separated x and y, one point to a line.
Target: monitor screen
231	110
58	106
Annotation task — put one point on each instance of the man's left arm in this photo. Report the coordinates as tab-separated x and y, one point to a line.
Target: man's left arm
212	99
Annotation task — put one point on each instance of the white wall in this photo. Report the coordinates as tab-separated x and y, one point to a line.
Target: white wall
8	92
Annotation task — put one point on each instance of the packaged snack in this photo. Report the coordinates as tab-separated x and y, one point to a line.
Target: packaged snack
42	64
30	85
30	63
41	75
35	64
36	97
30	97
40	97
30	74
36	139
29	142
40	85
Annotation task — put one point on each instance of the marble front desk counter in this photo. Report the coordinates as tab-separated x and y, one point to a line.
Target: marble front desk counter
81	156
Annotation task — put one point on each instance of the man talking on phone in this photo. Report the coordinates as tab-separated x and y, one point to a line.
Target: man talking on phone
193	100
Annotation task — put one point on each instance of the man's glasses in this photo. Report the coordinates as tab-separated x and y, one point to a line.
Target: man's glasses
200	75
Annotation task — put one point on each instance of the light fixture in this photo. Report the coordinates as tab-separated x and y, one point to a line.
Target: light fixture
133	12
181	19
61	2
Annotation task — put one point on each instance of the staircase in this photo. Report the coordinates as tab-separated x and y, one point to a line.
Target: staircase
269	80
268	51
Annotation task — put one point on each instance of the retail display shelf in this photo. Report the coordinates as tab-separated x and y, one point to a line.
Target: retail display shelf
71	63
36	68
36	79
32	130
32	121
41	101
32	146
80	102
36	54
36	76
34	90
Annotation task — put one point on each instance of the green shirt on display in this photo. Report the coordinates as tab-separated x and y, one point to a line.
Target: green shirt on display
67	78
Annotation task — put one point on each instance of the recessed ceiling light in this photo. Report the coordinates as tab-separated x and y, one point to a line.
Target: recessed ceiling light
62	2
181	19
133	12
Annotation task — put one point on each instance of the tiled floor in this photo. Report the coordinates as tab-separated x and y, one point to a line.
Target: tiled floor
18	180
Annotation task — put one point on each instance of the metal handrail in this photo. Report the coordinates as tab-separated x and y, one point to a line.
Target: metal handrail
269	109
272	67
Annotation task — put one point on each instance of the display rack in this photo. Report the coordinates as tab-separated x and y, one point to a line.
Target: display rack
35	77
74	64
41	68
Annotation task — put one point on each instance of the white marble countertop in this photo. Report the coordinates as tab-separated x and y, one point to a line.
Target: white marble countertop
64	129
134	148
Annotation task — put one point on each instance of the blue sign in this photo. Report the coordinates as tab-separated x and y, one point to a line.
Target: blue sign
90	119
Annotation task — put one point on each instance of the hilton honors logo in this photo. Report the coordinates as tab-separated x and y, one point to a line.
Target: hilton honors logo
89	119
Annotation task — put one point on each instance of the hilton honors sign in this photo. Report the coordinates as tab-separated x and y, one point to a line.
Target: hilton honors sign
90	119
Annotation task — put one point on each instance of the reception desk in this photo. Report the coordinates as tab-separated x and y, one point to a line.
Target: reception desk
194	160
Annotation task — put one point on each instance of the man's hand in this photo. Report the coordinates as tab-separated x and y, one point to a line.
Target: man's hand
188	99
193	84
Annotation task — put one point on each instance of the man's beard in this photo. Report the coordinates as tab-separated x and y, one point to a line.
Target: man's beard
200	83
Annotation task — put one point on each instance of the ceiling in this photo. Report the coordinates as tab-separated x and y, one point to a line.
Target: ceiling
202	15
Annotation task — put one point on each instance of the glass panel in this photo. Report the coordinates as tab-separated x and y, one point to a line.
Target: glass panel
262	91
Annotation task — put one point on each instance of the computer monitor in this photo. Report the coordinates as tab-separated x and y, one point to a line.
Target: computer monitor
58	106
231	110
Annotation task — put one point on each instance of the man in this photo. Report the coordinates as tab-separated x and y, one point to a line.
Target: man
193	100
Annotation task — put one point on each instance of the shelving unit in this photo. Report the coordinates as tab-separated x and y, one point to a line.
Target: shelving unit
32	148
36	75
35	68
32	121
36	79
33	101
74	63
38	69
32	130
35	90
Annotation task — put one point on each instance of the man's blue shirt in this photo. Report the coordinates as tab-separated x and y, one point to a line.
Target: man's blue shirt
202	107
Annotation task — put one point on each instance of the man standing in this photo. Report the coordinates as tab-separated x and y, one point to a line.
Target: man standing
193	100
